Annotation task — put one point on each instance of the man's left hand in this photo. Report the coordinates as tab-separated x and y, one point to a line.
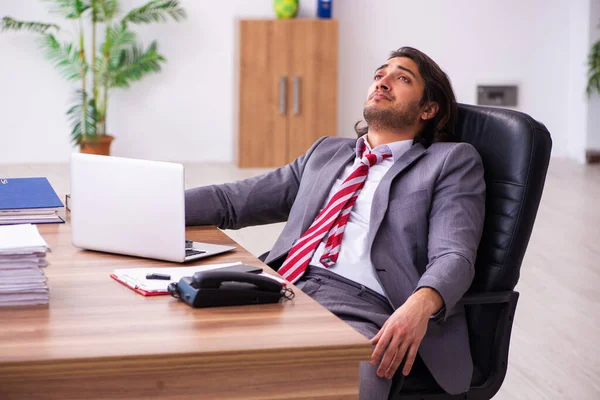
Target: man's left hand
403	332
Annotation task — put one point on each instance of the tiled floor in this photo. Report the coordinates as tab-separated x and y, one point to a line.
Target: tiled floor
554	349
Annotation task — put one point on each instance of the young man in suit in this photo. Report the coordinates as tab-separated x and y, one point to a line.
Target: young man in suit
383	231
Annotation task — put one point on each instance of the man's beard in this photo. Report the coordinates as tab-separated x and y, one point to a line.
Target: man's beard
391	119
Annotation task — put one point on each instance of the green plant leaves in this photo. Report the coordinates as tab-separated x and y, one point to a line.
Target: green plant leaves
83	117
134	63
118	38
70	9
594	70
65	57
9	24
155	11
105	9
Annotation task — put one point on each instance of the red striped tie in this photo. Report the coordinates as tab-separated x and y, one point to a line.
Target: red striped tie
332	219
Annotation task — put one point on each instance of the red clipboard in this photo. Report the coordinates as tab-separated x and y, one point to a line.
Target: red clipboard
137	289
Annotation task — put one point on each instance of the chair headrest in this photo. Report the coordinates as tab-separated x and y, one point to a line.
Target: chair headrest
515	150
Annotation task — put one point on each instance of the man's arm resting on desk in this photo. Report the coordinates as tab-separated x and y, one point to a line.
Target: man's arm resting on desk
264	199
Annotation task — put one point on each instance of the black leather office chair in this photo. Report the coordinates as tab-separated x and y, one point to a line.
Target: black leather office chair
515	150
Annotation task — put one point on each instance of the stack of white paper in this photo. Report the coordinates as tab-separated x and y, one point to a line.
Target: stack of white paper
22	262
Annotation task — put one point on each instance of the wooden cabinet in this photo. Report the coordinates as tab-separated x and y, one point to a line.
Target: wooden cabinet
287	88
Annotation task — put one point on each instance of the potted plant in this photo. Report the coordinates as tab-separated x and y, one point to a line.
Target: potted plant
116	62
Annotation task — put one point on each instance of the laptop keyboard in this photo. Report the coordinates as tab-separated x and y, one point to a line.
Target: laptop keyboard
193	252
189	251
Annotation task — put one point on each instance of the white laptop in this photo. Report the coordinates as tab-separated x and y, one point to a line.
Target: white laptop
133	207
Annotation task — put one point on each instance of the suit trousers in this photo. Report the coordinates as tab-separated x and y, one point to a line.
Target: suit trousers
366	311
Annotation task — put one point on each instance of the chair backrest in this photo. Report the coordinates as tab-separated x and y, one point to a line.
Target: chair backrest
515	150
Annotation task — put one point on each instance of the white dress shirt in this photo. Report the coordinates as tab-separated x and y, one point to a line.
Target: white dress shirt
354	261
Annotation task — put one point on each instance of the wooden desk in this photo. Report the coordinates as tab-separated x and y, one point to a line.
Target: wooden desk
101	340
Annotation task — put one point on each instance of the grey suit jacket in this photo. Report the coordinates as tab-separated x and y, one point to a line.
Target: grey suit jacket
426	224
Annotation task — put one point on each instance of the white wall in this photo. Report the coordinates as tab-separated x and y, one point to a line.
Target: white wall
187	112
475	42
184	113
577	101
33	98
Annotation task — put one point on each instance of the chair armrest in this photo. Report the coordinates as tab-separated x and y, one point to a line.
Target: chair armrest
506	303
488	298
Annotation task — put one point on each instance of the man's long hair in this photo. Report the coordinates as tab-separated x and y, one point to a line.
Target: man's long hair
437	88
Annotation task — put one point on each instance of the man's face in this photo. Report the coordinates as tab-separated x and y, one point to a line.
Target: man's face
394	96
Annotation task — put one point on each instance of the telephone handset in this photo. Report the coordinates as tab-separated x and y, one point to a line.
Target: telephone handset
229	280
217	288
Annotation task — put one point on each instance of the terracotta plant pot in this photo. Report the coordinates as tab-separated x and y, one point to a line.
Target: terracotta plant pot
100	145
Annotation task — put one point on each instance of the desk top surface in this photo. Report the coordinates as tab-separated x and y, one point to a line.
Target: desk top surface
91	316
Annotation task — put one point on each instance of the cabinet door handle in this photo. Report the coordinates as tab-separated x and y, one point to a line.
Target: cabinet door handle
282	94
296	95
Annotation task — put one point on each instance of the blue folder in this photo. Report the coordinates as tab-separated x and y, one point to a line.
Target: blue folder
27	193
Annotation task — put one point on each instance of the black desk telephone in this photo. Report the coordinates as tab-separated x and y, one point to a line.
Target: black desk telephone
229	287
